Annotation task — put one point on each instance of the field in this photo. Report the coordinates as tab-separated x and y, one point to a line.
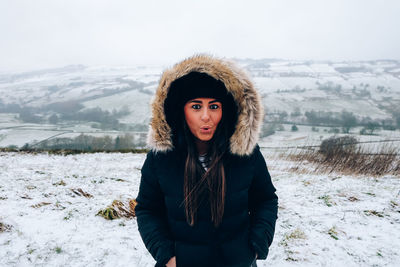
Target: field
49	204
48	207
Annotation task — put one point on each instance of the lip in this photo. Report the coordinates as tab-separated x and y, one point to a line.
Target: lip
205	129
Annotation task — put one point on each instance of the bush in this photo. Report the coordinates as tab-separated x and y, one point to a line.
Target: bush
370	128
389	127
280	127
267	129
338	145
53	119
334	130
294	128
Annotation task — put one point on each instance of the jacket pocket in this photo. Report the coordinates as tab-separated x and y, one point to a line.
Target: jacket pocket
188	254
238	251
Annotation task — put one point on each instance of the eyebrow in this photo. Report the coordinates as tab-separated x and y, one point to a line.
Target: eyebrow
200	102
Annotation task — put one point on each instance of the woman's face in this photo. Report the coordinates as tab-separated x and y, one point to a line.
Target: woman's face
203	116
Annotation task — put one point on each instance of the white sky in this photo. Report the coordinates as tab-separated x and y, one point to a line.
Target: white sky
53	33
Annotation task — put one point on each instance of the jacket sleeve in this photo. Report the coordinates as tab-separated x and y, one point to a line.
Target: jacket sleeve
151	215
263	206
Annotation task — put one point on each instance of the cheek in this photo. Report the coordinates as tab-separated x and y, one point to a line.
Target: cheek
188	116
217	117
190	119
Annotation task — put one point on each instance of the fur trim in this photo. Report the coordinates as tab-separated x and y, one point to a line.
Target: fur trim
250	111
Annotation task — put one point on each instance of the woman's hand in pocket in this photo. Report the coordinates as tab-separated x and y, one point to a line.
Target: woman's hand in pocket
171	262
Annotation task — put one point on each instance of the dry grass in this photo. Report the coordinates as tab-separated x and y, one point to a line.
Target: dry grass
5	227
351	160
80	192
41	204
118	209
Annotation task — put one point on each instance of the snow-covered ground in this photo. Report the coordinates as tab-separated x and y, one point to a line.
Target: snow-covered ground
324	220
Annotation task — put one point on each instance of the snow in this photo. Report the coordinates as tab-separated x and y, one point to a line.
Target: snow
66	232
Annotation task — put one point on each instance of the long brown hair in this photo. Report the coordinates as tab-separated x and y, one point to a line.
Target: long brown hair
200	184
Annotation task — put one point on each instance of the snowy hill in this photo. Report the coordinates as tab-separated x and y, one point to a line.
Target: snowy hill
366	88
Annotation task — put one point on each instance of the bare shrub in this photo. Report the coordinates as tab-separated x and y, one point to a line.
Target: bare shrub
342	155
334	145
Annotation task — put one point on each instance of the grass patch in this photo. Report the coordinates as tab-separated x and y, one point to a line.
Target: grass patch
374	213
352	199
295	234
68	216
327	200
394	204
62	183
118	179
289	237
333	233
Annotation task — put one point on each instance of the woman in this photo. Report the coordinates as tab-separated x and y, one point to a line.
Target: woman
206	197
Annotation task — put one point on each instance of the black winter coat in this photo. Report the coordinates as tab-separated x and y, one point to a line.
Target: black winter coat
248	223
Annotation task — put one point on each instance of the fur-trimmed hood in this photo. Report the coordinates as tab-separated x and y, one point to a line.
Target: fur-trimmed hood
248	101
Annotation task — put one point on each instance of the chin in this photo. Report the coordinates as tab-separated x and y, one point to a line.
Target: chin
204	138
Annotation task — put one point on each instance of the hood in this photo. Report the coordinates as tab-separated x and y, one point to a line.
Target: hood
236	81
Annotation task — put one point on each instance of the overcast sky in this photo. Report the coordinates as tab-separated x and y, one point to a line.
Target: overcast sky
53	33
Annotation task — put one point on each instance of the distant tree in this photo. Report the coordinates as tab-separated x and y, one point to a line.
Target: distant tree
117	143
53	119
388	124
67	107
396	117
124	142
311	116
267	129
372	126
27	115
9	108
103	143
349	121
334	130
127	141
282	115
294	128
123	111
25	146
296	112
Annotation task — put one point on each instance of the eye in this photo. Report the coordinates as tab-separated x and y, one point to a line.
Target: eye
214	106
196	106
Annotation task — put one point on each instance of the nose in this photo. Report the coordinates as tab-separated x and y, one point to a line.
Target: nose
205	116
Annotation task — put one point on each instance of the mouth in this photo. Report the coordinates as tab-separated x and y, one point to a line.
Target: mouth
205	129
